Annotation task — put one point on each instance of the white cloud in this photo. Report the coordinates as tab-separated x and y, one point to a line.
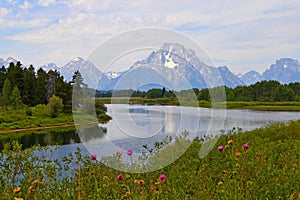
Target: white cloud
3	12
24	24
26	5
11	1
232	31
46	3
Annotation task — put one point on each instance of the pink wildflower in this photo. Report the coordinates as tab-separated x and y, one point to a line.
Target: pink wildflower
220	148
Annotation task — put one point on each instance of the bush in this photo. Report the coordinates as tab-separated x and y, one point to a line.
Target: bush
55	106
41	110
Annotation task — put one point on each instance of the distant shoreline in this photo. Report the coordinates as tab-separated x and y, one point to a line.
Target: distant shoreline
293	106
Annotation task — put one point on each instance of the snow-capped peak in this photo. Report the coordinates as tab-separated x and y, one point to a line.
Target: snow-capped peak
50	66
168	59
11	59
112	74
77	59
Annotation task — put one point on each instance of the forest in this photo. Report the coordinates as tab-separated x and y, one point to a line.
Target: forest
264	91
22	87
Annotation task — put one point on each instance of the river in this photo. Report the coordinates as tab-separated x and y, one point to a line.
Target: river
134	126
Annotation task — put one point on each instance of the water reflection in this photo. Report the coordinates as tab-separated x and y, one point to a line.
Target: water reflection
63	136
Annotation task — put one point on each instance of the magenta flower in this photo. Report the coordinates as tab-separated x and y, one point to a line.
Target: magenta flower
129	152
93	157
246	146
220	148
162	176
120	177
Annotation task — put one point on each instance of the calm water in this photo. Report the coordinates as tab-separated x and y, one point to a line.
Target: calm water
133	126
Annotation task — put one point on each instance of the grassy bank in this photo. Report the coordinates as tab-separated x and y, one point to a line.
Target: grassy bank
256	105
266	168
16	121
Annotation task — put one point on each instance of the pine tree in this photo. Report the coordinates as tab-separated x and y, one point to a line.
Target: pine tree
6	92
78	90
15	76
2	76
64	91
15	99
51	83
40	89
29	86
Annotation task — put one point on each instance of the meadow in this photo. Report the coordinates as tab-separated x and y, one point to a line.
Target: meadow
259	164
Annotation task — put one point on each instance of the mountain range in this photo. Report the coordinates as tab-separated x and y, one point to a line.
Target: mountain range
174	67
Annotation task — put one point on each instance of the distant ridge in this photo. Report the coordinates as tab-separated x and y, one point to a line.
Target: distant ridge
172	66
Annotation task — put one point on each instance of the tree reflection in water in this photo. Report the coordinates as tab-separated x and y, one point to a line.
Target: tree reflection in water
63	136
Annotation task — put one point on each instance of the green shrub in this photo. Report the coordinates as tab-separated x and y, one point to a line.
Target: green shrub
41	110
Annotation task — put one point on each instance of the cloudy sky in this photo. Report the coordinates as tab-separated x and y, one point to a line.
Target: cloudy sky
243	35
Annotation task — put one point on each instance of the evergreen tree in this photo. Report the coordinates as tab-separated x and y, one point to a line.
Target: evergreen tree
64	91
40	89
284	93
6	92
15	76
78	90
29	86
15	99
2	76
51	83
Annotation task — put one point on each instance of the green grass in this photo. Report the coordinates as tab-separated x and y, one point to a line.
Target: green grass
13	120
18	120
268	169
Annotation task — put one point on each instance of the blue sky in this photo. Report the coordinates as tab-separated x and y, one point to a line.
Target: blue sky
243	35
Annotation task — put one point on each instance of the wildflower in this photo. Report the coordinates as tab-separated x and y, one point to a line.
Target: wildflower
162	180
16	190
139	182
230	142
246	146
120	177
162	176
18	198
220	148
237	154
119	154
129	152
220	182
93	157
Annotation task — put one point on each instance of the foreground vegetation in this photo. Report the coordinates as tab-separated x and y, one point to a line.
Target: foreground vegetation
260	164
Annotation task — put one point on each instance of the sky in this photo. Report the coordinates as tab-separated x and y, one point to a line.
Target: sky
243	35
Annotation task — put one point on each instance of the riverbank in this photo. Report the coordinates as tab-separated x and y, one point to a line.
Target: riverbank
17	121
259	164
257	105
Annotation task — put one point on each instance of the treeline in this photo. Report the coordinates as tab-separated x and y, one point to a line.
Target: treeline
267	91
44	93
24	87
